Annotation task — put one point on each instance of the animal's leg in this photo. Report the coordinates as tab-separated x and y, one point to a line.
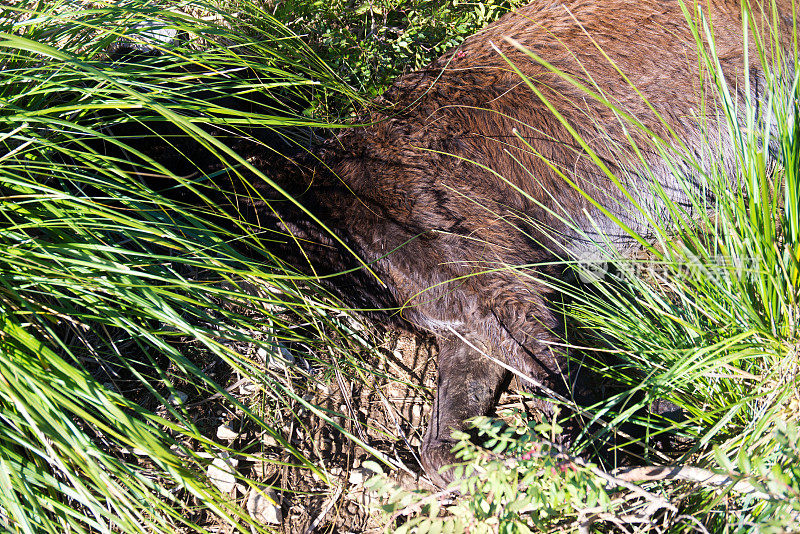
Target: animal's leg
468	387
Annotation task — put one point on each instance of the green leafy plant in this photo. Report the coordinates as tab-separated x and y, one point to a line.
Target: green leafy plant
372	43
518	481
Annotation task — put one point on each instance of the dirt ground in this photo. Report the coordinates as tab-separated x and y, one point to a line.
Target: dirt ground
389	414
388	411
386	408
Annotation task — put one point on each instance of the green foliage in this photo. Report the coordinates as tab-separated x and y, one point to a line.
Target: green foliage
369	44
517	482
112	293
107	288
113	297
710	320
772	463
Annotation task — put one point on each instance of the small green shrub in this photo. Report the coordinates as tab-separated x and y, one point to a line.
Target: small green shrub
371	43
520	483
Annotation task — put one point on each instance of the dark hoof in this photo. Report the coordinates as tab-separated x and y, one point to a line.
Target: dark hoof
434	458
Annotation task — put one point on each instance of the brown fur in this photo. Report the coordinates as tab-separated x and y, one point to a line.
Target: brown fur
412	194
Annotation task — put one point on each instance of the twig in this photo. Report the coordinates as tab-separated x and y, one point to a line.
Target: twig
559	453
346	398
396	463
689	474
325	510
393	417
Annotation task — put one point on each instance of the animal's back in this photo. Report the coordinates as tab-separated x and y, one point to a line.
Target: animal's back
471	125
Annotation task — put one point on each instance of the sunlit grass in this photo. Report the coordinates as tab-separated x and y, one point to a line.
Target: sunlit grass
113	296
707	316
111	293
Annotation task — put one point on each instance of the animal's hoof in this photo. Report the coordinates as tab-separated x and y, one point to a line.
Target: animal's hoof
440	462
435	457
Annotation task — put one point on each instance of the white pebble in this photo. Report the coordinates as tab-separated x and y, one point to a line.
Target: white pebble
226	433
220	472
269	441
356	477
248	388
262	505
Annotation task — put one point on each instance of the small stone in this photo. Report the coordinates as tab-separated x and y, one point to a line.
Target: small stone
220	472
177	398
262	505
336	470
226	433
248	388
281	358
356	477
269	441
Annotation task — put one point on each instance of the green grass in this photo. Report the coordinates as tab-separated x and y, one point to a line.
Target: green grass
111	293
114	297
